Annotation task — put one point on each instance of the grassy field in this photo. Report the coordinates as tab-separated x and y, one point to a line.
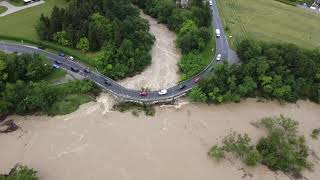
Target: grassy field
22	23
270	20
56	74
3	9
69	104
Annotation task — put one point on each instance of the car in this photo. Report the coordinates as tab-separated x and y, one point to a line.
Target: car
197	79
41	47
182	86
163	92
210	3
56	66
87	70
62	54
57	62
218	57
107	82
74	69
70	58
143	93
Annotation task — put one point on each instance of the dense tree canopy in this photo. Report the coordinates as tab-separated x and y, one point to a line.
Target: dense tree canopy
112	27
273	71
22	89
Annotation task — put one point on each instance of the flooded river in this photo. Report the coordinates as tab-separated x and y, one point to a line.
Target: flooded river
95	143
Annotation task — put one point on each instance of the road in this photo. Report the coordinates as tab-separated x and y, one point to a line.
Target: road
129	94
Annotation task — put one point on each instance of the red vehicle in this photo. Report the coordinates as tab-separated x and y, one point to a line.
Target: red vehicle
197	79
143	93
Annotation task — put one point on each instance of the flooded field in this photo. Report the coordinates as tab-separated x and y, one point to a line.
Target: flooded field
95	143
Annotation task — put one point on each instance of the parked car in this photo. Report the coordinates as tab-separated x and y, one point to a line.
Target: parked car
56	66
62	54
87	70
143	93
74	69
218	57
57	62
197	79
210	3
107	82
182	86
163	92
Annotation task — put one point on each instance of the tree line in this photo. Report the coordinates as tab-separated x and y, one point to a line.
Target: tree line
22	89
112	28
269	70
191	25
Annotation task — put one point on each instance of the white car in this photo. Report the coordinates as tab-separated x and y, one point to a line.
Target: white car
218	57
210	3
70	58
163	92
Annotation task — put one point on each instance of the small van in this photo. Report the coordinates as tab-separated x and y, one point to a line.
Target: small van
217	33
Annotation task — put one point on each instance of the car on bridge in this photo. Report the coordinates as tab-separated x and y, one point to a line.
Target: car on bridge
218	57
163	92
73	69
108	83
57	62
182	87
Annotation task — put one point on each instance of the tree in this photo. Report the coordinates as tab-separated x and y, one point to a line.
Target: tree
197	95
62	38
83	44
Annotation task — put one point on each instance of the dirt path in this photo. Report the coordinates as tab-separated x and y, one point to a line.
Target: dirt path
95	144
163	72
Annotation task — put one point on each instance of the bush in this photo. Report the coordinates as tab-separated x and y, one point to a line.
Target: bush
20	173
216	152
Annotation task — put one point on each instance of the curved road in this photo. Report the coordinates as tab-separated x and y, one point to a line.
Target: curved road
129	94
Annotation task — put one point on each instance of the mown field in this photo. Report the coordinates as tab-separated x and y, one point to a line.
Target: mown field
270	20
22	23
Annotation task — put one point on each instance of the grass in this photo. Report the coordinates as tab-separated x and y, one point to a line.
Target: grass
207	53
270	20
3	9
56	74
69	104
22	23
17	2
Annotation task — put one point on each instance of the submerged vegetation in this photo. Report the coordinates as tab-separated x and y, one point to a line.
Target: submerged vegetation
135	107
282	149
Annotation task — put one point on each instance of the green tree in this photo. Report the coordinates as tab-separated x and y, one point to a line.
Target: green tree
83	44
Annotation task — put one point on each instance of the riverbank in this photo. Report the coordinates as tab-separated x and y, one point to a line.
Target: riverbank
95	143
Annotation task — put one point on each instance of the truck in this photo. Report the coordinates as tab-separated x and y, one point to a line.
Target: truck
217	33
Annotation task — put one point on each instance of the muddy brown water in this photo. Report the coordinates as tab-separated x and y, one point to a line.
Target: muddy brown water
92	144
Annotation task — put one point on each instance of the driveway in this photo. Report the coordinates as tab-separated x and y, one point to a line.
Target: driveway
13	9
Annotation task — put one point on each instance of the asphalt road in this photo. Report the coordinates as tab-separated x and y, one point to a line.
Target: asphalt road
120	91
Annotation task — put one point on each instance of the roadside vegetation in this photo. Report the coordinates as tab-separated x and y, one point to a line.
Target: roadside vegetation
135	108
112	28
282	149
283	72
269	20
315	133
296	2
3	9
23	90
20	173
193	28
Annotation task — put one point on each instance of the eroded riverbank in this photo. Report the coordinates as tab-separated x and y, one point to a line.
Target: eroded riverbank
93	143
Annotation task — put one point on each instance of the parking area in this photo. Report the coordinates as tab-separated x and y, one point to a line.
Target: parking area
12	9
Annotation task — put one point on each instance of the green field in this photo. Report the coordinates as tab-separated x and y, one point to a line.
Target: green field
3	9
271	21
69	104
22	23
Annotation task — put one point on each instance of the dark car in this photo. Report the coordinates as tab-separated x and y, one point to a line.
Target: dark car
143	93
62	54
41	46
87	70
182	86
74	69
107	82
57	62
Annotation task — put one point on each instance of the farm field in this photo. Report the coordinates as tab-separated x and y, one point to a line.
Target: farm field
22	23
270	20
